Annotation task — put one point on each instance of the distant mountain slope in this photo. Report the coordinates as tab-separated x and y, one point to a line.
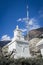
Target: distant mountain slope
35	33
3	43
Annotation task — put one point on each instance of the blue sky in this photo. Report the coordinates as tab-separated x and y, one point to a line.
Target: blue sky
12	10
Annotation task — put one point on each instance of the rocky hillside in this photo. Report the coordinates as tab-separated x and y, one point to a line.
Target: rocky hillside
36	33
34	36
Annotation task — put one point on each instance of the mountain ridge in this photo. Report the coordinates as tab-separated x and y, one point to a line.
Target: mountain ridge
35	33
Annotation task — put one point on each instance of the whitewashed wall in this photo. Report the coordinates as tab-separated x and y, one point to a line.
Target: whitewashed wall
12	46
22	49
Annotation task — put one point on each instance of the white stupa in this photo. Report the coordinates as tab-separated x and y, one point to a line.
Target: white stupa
19	45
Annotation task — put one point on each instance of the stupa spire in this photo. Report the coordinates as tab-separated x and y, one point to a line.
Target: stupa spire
17	27
27	13
26	20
